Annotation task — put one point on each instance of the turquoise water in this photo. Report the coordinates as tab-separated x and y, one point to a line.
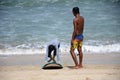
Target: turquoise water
26	25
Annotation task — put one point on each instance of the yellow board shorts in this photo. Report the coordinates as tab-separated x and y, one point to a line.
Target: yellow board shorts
77	44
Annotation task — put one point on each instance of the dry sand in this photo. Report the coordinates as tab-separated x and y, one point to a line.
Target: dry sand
95	67
89	72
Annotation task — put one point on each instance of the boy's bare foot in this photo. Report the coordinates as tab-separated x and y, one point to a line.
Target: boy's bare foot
76	67
80	66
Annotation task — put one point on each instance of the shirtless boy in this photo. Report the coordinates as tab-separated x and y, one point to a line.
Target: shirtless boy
77	37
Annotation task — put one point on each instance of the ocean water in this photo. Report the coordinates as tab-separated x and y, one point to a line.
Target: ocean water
27	25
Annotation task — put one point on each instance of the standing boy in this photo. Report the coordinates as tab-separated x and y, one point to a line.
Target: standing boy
77	37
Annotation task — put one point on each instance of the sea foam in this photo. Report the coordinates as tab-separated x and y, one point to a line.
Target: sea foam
87	49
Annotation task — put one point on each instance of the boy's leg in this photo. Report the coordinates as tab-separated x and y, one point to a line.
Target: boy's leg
54	54
53	58
74	57
49	53
80	55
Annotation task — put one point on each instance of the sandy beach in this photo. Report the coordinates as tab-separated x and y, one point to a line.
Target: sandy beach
29	67
89	72
28	26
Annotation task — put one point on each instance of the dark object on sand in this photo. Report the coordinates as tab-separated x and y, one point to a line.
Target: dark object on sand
52	65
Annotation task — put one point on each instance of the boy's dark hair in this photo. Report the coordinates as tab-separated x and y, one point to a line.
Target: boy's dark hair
76	10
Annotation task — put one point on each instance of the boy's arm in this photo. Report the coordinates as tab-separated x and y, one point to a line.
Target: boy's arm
74	32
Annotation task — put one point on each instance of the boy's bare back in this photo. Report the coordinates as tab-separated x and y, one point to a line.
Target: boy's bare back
79	24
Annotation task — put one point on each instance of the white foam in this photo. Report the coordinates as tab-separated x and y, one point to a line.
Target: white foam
102	48
113	48
21	51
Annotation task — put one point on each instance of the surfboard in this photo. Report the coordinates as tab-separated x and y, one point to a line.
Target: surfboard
52	65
